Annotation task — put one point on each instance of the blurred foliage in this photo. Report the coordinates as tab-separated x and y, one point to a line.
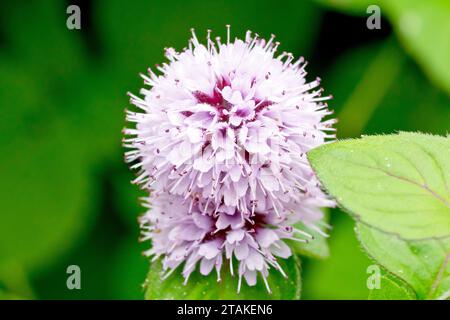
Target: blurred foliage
383	92
343	275
65	192
422	27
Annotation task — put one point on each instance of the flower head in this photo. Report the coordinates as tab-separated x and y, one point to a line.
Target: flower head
222	136
228	122
212	237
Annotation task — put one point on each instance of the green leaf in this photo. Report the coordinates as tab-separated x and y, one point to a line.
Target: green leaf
424	265
316	247
396	183
201	287
391	289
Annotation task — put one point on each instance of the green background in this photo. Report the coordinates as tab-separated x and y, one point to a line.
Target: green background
65	195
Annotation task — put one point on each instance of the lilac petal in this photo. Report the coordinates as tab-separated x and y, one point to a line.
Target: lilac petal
228	250
269	181
235	236
235	173
218	264
241	251
218	139
229	210
266	237
227	92
189	266
209	249
226	220
254	261
202	221
235	120
234	97
281	249
250	277
194	134
178	253
205	178
190	233
251	241
242	135
241	188
175	118
173	234
230	197
200	119
206	265
181	153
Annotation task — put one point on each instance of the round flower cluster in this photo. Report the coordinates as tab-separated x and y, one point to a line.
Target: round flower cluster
221	145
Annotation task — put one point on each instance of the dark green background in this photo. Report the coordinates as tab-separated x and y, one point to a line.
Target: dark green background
65	195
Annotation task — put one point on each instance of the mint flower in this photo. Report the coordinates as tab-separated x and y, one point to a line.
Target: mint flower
206	235
221	142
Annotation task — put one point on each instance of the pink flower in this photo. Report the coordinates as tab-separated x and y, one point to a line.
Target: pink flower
228	122
221	143
198	233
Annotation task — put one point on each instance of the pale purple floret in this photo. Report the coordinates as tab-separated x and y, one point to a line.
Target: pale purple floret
210	236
